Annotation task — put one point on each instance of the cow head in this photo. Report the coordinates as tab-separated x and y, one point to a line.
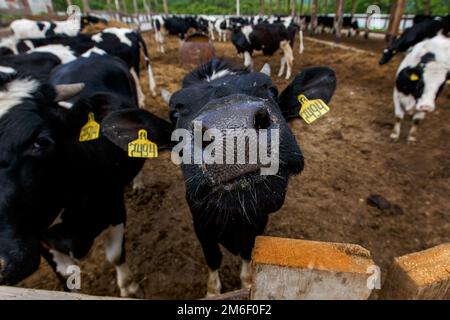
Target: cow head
220	97
424	81
388	54
28	167
89	20
40	153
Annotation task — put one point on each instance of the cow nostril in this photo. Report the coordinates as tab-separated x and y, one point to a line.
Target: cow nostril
262	120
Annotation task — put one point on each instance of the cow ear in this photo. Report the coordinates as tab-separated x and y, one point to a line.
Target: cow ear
313	83
409	74
122	127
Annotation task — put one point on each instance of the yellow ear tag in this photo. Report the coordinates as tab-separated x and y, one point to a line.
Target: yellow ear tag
142	147
413	77
311	110
448	81
91	130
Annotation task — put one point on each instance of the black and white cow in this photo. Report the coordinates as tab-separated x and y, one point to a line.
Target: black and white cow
158	24
222	25
120	42
230	203
420	78
37	64
428	28
47	174
267	38
29	29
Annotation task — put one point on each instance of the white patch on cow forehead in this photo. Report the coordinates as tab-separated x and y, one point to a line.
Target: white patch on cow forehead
246	30
93	50
62	52
65	104
120	33
220	74
14	92
7	69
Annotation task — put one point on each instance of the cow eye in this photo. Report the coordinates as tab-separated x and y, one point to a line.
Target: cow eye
42	144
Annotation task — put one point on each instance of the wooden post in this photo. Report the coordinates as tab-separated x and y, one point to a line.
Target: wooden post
325	7
238	8
108	4
353	7
13	293
278	7
136	12
394	21
288	4
294	8
125	7
86	7
69	2
166	7
426	7
338	18
301	8
420	275
313	16
270	7
261	7
310	270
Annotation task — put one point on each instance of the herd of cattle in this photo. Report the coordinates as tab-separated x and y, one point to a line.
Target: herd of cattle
59	194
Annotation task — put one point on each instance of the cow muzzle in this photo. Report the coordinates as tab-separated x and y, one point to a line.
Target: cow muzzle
425	108
240	122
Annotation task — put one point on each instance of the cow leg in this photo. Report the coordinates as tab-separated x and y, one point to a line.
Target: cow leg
140	93
213	257
399	114
246	274
300	40
282	65
60	264
417	119
115	254
248	62
161	39
139	181
288	55
151	79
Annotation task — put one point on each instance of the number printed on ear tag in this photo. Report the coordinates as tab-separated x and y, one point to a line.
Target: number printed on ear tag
91	130
311	110
142	147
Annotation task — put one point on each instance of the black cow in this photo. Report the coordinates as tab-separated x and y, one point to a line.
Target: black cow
36	64
230	203
268	38
179	26
46	173
421	30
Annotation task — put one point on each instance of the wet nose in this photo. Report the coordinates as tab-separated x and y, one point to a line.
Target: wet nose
425	108
242	115
249	115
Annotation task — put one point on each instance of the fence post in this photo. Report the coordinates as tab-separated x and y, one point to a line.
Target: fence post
300	269
420	275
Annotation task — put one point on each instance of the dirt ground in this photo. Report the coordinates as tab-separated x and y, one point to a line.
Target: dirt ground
348	157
